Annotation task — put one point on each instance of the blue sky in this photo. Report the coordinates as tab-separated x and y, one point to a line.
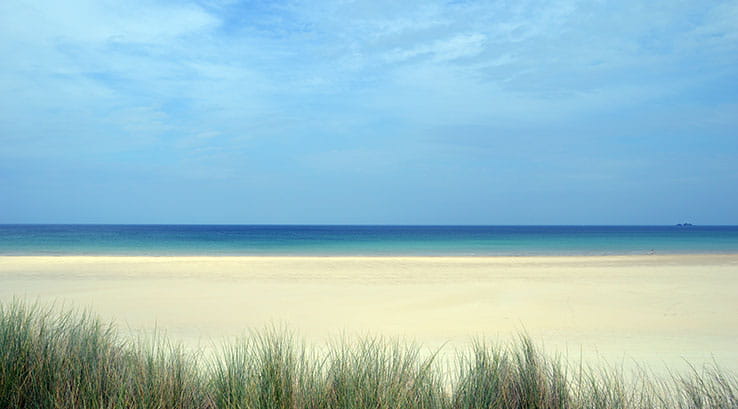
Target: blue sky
386	112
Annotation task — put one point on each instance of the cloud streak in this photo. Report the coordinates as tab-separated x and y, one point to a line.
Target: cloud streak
244	94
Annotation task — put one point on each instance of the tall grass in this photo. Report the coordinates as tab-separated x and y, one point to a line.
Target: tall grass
69	360
73	360
517	377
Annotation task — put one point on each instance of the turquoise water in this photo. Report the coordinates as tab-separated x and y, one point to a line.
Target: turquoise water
160	240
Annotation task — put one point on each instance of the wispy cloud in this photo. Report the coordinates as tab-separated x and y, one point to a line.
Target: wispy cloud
242	92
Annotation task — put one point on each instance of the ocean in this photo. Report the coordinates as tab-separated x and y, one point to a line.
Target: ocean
305	240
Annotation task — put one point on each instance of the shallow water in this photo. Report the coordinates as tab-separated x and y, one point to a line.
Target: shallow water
363	240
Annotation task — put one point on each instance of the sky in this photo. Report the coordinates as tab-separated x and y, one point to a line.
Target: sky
369	112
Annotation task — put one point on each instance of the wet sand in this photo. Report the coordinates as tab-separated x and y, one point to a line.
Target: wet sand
653	310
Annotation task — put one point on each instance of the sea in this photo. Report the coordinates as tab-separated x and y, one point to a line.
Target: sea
363	240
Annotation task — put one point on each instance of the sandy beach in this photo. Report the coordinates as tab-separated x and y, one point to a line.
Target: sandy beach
653	310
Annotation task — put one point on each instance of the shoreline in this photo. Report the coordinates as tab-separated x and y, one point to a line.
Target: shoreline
370	256
656	256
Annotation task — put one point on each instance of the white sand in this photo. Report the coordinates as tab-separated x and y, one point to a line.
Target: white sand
654	310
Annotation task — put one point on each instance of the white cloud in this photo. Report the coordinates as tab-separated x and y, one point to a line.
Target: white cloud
719	29
415	63
90	21
458	46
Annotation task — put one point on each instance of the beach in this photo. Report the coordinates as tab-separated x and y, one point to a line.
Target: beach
654	310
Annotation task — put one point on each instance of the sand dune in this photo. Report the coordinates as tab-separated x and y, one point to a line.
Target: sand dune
651	309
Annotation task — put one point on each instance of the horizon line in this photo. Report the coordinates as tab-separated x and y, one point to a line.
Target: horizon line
683	224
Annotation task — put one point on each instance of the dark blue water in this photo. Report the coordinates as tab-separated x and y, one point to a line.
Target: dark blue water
163	240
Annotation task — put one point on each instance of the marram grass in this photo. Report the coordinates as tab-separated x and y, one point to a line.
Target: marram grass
73	360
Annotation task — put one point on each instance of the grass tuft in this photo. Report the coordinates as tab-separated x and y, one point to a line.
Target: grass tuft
73	360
